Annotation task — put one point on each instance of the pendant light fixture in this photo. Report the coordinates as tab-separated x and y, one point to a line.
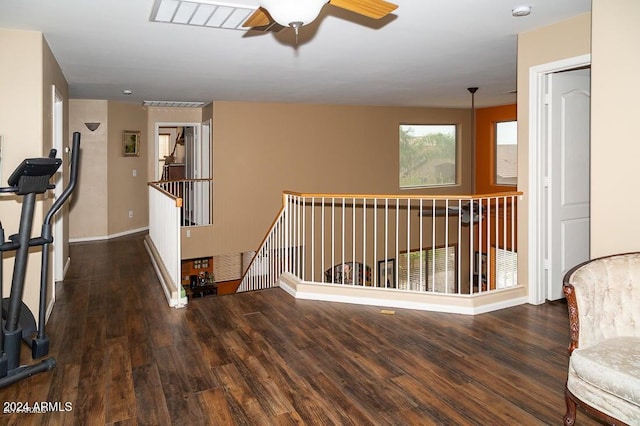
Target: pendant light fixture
293	13
473	91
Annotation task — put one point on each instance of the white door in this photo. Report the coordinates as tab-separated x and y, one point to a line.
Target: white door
567	182
190	156
58	223
193	163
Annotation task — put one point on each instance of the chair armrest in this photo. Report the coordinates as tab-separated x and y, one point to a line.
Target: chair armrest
574	321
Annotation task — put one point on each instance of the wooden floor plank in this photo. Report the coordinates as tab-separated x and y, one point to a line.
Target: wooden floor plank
244	402
120	398
216	410
151	405
175	385
263	358
64	389
349	413
140	347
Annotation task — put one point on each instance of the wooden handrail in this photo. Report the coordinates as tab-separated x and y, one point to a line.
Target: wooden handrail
404	197
273	224
177	200
158	182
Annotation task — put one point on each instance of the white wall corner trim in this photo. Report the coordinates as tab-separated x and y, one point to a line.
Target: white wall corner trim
50	305
168	293
66	267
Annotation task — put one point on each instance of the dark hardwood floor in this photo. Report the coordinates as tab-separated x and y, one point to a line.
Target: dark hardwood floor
124	357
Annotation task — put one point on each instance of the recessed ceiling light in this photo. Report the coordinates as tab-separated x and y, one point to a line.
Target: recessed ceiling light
127	92
518	11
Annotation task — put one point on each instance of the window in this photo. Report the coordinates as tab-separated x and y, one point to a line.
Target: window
506	161
506	268
436	267
442	269
502	268
427	155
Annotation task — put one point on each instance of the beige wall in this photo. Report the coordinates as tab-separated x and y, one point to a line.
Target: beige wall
107	188
21	128
562	40
615	145
127	192
261	149
89	213
25	125
21	120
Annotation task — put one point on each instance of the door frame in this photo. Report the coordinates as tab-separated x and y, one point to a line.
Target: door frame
156	138
206	141
537	137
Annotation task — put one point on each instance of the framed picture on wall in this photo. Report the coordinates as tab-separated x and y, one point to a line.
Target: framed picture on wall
131	143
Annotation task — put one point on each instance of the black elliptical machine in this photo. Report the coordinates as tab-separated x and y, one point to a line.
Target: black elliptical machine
30	178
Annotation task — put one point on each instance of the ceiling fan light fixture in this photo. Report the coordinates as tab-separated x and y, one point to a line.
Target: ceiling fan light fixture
293	13
520	11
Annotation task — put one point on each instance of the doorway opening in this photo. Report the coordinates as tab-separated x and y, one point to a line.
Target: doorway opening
184	147
183	153
546	258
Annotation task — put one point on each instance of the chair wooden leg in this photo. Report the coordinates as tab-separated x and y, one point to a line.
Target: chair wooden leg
570	415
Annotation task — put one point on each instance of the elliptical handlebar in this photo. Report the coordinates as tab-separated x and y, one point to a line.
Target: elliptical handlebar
73	179
40	345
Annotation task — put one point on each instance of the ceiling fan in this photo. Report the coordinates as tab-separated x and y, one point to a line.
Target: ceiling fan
296	13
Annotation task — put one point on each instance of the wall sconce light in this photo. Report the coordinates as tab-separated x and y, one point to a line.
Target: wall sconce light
92	126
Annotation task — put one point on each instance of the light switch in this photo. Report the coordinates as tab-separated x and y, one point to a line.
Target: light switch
135	173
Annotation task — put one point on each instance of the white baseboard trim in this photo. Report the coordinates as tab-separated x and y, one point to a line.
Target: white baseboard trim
107	237
183	301
500	305
338	294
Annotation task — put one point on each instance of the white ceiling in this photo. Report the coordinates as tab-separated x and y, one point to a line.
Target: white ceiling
425	54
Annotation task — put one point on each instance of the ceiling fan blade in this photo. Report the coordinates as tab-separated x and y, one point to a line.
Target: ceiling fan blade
375	9
259	18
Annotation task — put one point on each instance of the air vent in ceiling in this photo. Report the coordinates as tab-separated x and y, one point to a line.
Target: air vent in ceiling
173	104
201	13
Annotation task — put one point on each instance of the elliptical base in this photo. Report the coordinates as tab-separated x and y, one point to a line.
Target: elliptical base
26	371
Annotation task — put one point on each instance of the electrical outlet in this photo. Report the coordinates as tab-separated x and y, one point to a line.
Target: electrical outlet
130	214
135	173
